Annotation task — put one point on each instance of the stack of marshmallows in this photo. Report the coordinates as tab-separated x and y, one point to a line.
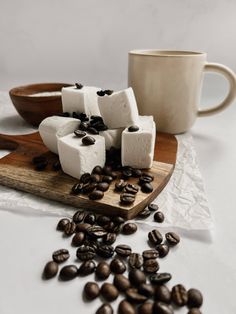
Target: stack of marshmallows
126	130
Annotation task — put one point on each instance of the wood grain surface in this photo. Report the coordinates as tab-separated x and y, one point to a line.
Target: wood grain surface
17	171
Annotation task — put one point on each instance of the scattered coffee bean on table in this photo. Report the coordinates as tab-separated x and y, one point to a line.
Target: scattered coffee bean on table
195	298
91	290
78	85
79	133
146	289
134	296
62	223
131	188
144	213
78	216
105	250
160	278
121	282
88	140
103	186
179	295
136	173
129	228
145	308
117	266
50	270
126	308
60	256
82	227
70	228
86	268
153	207
123	250
172	238
90	219
150	254
68	272
97	170
146	188
137	277
162	308
151	266
77	188
96	195
162	293
109	292
155	237
85	178
85	252
103	220
41	165
133	128
96	231
159	216
163	250
103	271
120	185
105	309
78	239
127	198
109	238
135	260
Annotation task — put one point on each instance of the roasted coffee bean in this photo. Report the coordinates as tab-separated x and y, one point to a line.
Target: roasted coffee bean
103	186
88	140
103	220
86	268
79	133
120	185
84	126
109	238
92	130
162	249
135	260
56	166
144	179
62	223
195	298
78	239
146	188
97	170
105	251
103	271
41	165
68	272
150	254
146	289
131	188
70	228
144	213
148	176
78	85
151	266
39	159
78	216
162	308
96	195
96	231
105	308
137	277
114	175
83	117
159	216
123	250
96	118
77	188
194	310
107	170
89	187
162	293
145	308
172	238
60	256
117	228
160	278
85	178
95	178
100	127
136	173
127	173
91	290
50	270
109	292
121	282
118	220
82	227
153	207
133	128
126	308
91	243
107	179
90	219
155	237
129	228
85	252
134	296
108	92
117	266
109	227
179	295
101	93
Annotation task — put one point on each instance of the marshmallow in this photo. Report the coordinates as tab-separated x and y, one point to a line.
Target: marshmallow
77	158
80	100
53	127
119	109
137	148
112	138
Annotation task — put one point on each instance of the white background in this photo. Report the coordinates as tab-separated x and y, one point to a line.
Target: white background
88	42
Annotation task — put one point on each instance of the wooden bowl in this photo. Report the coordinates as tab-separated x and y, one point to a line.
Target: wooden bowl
32	108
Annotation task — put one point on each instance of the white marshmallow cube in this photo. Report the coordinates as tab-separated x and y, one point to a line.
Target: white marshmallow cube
80	100
112	138
119	109
53	127
77	158
137	148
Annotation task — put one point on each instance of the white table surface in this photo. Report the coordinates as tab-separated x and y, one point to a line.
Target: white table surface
205	261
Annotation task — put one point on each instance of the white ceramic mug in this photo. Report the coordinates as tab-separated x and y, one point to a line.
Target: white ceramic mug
167	85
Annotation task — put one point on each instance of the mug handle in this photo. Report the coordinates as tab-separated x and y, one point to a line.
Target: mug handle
230	76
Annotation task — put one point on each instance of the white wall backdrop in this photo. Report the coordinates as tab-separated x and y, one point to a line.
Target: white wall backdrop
88	41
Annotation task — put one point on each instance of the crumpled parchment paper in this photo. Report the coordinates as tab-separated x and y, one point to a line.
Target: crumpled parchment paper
183	201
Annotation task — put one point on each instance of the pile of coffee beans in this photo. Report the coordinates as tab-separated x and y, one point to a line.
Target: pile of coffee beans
136	276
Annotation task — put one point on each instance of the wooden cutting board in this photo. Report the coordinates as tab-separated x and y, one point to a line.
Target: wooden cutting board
17	171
